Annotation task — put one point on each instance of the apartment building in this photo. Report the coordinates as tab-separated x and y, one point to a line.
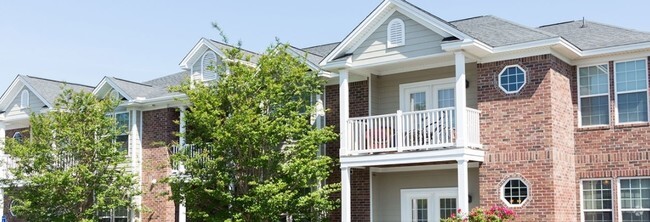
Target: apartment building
434	116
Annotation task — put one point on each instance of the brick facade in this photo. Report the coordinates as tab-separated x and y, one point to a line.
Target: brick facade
360	178
529	135
158	132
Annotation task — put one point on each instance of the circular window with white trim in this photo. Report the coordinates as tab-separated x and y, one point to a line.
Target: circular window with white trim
11	208
512	79
515	192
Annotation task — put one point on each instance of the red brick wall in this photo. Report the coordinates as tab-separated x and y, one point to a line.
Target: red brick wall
528	134
360	178
611	151
157	132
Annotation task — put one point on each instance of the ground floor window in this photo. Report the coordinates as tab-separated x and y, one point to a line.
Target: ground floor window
635	199
120	214
424	205
597	200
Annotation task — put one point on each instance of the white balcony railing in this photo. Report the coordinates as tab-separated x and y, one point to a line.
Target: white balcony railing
427	129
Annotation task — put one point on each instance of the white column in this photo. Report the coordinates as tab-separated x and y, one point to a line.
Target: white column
346	203
181	142
344	110
463	187
461	101
3	168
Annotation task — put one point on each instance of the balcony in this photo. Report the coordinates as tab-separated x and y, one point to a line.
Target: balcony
409	131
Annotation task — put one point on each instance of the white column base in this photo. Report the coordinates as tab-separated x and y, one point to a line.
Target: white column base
463	187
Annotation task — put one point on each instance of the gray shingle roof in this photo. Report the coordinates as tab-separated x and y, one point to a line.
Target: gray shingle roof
49	89
596	35
499	32
154	88
321	50
247	53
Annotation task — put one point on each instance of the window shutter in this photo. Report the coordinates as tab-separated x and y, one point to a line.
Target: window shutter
396	33
24	99
209	63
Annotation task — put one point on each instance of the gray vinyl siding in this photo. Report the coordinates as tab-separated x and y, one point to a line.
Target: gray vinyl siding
385	99
386	189
374	93
35	104
419	40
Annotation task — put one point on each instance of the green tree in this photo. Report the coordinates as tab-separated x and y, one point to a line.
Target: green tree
255	151
71	168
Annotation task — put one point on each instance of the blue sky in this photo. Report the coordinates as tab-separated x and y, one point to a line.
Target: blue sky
82	41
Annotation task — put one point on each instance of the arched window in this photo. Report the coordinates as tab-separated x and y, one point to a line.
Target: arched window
24	99
396	33
18	137
208	66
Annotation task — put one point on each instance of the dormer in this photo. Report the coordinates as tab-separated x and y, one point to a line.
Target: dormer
204	59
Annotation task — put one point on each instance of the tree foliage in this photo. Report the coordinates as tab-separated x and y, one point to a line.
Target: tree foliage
255	153
71	167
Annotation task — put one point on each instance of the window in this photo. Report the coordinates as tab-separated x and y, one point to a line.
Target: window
512	79
208	66
635	199
447	207
631	91
18	137
123	125
596	200
24	99
395	33
514	192
120	214
593	90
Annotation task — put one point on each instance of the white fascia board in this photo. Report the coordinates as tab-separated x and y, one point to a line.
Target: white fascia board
337	65
107	82
198	50
451	154
31	88
616	49
426	19
356	32
4	100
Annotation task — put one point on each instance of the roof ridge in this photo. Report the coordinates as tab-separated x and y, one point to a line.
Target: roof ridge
526	27
430	14
319	45
129	81
58	81
559	23
618	27
465	19
238	47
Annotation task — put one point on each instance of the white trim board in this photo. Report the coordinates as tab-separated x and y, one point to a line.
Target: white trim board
419	168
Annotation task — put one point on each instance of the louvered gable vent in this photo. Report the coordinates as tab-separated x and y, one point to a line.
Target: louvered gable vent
208	65
396	33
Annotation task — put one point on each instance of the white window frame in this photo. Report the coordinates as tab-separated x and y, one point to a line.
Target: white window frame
112	216
616	119
520	88
582	207
433	196
389	42
618	195
204	66
430	87
24	99
128	129
502	192
603	94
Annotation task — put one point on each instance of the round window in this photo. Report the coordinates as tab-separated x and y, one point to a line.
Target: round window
514	192
512	79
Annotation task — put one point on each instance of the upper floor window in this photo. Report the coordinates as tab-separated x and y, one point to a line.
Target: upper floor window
593	93
631	91
24	99
512	79
123	125
120	214
208	66
396	33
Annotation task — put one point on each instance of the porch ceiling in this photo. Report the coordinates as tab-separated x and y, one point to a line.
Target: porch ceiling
405	65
